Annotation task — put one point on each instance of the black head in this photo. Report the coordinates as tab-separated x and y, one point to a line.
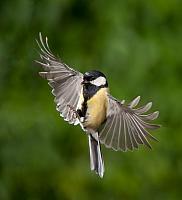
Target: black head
95	78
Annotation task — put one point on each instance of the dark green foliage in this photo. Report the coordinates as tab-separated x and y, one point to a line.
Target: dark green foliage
138	45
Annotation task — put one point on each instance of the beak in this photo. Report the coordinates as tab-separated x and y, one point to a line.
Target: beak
84	82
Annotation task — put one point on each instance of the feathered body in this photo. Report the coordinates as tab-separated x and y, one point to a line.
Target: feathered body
94	109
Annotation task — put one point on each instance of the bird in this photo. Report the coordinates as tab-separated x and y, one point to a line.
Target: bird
84	99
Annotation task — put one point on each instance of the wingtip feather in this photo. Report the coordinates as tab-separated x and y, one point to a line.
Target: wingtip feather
135	102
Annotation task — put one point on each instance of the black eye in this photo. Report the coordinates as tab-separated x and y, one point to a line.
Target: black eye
89	78
92	78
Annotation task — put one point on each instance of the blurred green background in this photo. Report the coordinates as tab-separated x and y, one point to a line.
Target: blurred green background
138	45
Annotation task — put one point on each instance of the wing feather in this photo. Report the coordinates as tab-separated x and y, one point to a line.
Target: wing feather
132	133
150	116
129	137
123	135
144	108
134	102
65	81
119	129
126	127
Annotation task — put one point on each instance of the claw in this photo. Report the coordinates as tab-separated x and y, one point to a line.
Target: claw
75	114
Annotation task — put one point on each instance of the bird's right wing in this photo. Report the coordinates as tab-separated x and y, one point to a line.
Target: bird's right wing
126	126
65	81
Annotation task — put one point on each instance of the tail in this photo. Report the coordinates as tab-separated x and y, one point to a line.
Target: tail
96	160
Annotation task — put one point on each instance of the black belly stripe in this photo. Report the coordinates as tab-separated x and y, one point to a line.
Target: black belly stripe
84	108
82	112
88	91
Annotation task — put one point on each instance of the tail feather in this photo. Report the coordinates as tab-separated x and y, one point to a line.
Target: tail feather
96	160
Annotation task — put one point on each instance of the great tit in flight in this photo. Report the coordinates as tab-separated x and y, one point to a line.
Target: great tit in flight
84	99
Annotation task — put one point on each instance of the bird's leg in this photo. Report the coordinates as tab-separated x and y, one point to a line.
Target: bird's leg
75	113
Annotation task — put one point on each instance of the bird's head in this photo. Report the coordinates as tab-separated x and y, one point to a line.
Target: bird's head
95	78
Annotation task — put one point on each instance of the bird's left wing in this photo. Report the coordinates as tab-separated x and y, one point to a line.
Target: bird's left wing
65	81
126	126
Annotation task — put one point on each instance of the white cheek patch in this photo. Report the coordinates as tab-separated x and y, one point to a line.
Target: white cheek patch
99	81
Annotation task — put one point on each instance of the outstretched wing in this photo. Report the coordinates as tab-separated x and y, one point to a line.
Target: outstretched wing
65	81
126	126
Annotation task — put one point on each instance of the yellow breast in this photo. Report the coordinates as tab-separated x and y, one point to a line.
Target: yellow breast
96	109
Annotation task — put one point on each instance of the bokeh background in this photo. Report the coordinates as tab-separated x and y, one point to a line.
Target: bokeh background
138	45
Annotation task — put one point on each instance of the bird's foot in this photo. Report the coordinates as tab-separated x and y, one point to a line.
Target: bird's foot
73	112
